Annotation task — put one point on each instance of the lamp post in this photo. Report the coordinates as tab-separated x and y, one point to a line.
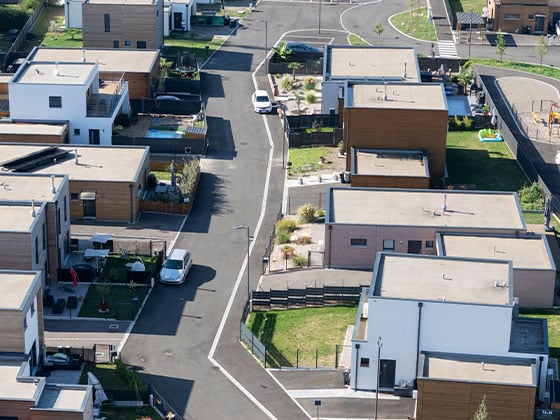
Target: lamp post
266	45
470	31
320	16
239	227
379	345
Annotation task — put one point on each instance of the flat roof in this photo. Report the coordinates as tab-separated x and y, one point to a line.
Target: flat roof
128	2
30	128
481	370
109	60
445	279
5	77
50	73
17	217
14	187
372	63
101	163
418	96
14	288
64	397
390	162
523	251
406	207
11	388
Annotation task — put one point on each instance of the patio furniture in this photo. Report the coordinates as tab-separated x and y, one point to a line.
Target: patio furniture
72	302
59	306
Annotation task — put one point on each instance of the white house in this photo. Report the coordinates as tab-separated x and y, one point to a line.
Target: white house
177	15
424	303
54	92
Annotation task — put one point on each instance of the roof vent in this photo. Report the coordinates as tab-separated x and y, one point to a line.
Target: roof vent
56	72
76	157
53	188
385	91
404	74
33	212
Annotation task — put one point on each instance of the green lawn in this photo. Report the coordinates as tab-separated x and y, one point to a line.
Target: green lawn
305	159
162	175
482	166
307	330
189	43
553	319
107	375
415	23
516	65
467	5
45	31
120	299
118	267
356	40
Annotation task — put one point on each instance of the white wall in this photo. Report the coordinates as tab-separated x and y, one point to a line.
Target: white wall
31	334
329	96
445	327
73	13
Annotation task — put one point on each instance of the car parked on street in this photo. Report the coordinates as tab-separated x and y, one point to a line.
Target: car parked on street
176	267
301	47
61	361
261	102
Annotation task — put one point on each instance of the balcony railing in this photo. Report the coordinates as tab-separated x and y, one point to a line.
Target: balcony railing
103	104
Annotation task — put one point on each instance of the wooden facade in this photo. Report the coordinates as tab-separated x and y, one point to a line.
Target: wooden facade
130	25
398	129
379	181
19	137
444	400
139	84
523	15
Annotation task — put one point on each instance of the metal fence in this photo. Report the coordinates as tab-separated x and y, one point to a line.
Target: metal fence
295	200
300	359
162	405
309	297
253	343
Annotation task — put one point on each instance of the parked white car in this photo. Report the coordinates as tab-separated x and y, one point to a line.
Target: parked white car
261	102
176	267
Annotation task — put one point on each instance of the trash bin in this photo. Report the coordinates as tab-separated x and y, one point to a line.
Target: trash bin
346	376
233	23
227	20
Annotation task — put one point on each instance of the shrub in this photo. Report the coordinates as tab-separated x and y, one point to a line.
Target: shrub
286	224
287	251
309	83
12	18
287	83
531	197
310	97
467	122
283	237
307	213
458	121
320	213
303	240
299	261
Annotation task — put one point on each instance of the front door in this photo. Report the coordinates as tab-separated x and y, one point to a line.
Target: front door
539	23
178	21
414	247
94	136
89	208
387	373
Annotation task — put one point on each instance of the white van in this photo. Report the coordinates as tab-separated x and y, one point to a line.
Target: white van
176	267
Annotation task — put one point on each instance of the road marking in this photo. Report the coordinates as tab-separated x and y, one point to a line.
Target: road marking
447	49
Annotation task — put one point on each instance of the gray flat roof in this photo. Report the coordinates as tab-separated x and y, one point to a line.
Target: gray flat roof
15	187
50	73
524	251
101	163
372	63
109	60
483	370
418	96
442	279
17	217
405	207
11	388
14	288
64	397
30	128
391	163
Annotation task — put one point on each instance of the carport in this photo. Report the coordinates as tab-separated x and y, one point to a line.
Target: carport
469	22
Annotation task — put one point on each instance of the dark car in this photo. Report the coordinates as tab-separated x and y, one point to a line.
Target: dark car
61	361
301	47
86	272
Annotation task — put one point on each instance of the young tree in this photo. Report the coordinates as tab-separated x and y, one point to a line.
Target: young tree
500	45
294	65
413	5
282	52
379	30
541	48
482	412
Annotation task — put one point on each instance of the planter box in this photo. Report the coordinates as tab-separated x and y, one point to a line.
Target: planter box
403	392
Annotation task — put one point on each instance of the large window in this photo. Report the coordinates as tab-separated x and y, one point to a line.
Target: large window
36	250
359	242
511	16
141	44
55	101
107	20
388	245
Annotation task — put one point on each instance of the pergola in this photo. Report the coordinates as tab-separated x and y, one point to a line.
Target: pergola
469	20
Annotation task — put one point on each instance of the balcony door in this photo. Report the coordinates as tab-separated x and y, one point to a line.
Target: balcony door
94	136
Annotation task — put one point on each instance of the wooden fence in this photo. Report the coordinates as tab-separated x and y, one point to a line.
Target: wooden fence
167	207
310	297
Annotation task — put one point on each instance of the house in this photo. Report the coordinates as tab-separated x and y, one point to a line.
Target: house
72	93
424	303
22	132
27	397
134	24
21	315
452	386
360	222
389	168
534	271
53	190
343	63
105	183
139	67
177	15
397	116
526	16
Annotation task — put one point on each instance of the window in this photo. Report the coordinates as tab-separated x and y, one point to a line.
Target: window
107	20
429	244
32	308
511	16
55	101
115	44
76	131
364	361
36	250
531	17
388	245
65	210
58	220
74	196
141	44
360	242
25	323
127	43
44	236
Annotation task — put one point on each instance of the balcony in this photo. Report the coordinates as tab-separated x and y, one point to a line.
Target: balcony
104	103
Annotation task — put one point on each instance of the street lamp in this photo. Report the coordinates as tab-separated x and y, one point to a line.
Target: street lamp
238	227
379	345
319	16
265	43
470	32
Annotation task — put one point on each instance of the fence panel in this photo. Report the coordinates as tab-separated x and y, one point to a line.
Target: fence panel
163	406
257	348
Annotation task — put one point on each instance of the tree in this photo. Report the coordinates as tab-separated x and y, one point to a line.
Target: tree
413	5
282	52
379	30
500	45
541	48
294	65
482	412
